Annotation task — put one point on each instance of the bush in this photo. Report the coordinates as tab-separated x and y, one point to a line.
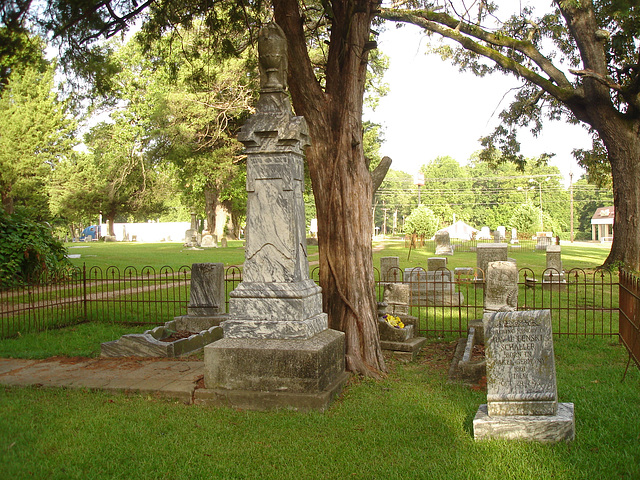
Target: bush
421	221
28	249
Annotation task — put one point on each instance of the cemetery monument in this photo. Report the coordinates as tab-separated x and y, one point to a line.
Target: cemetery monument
277	350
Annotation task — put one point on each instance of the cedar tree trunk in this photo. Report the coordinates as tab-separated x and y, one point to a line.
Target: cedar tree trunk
342	184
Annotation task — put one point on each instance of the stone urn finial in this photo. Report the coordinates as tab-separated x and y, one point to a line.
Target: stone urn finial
272	53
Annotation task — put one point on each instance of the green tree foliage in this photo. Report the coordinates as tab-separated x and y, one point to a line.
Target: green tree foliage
525	218
28	249
422	221
447	189
195	100
398	195
36	133
19	51
578	60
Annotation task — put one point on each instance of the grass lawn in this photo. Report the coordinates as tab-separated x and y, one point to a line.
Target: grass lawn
156	255
413	424
579	255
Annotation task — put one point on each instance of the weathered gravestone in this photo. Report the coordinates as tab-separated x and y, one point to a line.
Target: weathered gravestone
514	236
501	287
490	252
207	298
522	399
401	341
277	350
433	287
396	297
390	269
208	241
191	235
443	243
553	276
543	240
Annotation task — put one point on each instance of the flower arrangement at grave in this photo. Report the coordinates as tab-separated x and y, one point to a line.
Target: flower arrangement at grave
393	320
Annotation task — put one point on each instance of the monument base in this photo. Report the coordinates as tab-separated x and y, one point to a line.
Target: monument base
536	428
266	374
406	351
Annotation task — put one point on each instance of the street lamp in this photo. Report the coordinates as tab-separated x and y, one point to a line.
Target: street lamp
526	192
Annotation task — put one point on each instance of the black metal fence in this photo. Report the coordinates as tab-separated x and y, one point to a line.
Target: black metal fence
582	303
147	296
586	303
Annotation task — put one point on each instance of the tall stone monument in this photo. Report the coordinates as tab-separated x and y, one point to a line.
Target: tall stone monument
277	350
522	401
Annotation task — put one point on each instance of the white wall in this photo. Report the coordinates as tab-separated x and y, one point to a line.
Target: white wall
149	232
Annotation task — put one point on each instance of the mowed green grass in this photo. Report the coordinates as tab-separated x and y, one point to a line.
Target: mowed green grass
412	424
156	255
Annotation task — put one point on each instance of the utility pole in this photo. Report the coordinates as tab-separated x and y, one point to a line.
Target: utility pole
384	222
571	196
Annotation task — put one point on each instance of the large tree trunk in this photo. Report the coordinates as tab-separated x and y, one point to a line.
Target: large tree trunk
341	181
7	203
624	157
620	132
210	204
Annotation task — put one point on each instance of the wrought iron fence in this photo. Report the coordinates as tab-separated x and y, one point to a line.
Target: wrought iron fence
131	296
444	303
582	303
524	244
629	314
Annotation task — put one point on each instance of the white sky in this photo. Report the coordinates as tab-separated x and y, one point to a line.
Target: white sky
434	110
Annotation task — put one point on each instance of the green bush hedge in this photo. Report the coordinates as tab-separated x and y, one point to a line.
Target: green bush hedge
27	249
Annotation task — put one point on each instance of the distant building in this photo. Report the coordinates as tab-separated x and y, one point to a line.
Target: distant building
602	224
461	230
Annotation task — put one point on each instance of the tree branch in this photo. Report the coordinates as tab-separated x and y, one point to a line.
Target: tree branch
605	80
467	35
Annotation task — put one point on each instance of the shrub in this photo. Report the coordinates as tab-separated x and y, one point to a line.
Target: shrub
421	221
28	249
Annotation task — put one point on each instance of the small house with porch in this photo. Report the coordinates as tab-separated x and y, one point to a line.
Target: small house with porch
602	224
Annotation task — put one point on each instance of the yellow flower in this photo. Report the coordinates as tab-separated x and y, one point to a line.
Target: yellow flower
393	321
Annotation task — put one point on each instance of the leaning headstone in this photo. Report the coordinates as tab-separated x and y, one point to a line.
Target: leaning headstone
277	350
390	269
490	252
522	401
501	288
443	243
